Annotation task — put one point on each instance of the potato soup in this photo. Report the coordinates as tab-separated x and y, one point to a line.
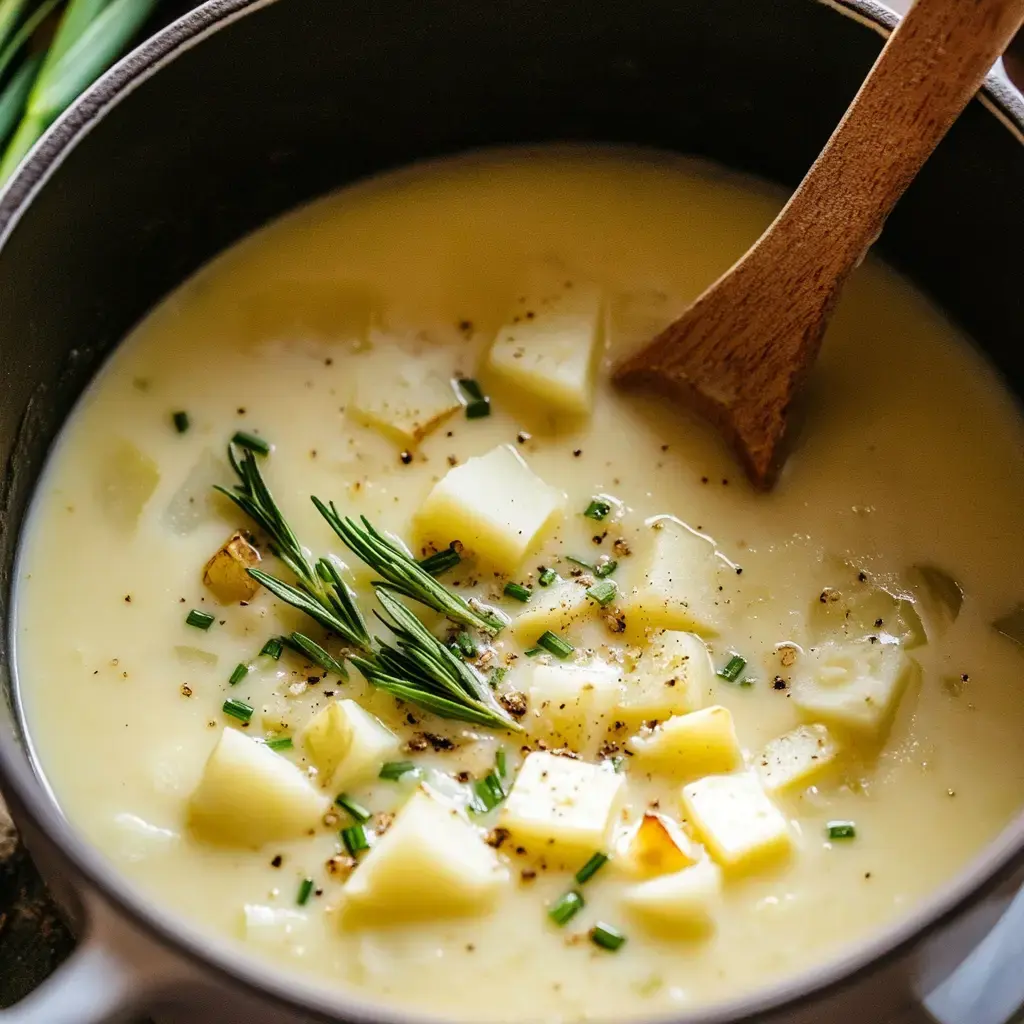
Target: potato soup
485	689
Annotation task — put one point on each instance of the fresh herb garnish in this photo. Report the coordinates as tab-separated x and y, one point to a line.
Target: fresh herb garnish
201	620
532	652
501	763
607	937
181	423
305	891
496	676
597	509
251	442
357	810
239	672
280	743
440	561
733	668
488	792
394	770
355	839
554	644
309	648
273	648
517	591
603	592
237	709
565	908
841	830
601	570
591	868
547	577
478	405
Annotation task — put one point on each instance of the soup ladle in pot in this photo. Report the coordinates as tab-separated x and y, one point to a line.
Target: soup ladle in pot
742	351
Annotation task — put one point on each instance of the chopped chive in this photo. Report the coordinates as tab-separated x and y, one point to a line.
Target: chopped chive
255	444
440	561
607	937
201	620
501	763
533	652
305	891
547	577
470	388
565	908
394	770
354	838
303	645
605	568
842	830
478	405
358	811
591	868
237	709
488	792
280	743
597	509
239	673
181	423
733	668
518	591
273	648
496	676
618	763
589	566
466	645
554	644
602	592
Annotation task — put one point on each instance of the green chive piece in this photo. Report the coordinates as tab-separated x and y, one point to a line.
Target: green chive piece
237	709
589	566
466	645
357	810
305	891
470	388
181	423
603	592
597	509
618	763
605	568
488	793
496	676
607	937
547	577
501	763
280	743
201	620
554	644
303	645
841	830
533	652
394	770
239	673
565	908
273	648
255	444
734	666
441	561
518	591
478	405
591	868
354	838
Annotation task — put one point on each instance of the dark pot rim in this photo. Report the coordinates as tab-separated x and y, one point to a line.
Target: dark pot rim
993	866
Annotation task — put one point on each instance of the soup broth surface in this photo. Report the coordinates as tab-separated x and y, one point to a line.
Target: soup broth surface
908	454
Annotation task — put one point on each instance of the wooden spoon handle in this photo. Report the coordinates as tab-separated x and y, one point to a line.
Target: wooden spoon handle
930	68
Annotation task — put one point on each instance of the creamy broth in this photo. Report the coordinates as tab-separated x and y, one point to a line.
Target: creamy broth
909	453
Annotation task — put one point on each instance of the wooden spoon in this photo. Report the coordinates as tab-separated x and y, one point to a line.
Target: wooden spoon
741	352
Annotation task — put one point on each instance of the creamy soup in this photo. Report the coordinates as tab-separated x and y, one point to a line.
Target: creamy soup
648	738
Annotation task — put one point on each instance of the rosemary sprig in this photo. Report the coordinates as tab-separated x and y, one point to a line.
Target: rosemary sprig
403	573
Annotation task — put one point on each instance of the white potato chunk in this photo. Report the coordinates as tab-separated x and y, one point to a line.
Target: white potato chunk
563	805
741	827
657	846
854	685
249	796
431	862
196	501
682	902
570	704
797	758
679	588
549	344
275	929
688	746
556	608
403	395
673	676
494	504
226	574
347	744
126	480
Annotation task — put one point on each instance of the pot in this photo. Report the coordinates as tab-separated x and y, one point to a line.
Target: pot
243	109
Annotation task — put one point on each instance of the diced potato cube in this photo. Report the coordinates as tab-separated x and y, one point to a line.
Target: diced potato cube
275	929
688	746
855	686
741	827
562	805
431	862
684	901
196	501
404	396
672	677
570	704
797	758
126	481
657	846
249	796
347	744
556	608
225	574
494	504
680	584
549	344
